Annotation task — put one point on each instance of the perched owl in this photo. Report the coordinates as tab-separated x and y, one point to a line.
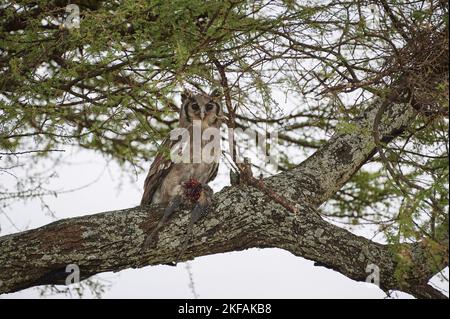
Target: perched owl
172	183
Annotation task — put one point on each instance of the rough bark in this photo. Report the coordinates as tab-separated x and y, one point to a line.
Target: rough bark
241	217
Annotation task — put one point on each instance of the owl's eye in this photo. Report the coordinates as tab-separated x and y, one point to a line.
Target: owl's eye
195	106
209	106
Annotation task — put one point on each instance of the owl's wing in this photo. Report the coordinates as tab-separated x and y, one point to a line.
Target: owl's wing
158	171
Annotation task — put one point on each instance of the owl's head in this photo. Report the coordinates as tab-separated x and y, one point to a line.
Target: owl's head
203	107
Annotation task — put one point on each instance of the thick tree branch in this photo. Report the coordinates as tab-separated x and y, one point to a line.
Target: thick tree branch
241	217
331	166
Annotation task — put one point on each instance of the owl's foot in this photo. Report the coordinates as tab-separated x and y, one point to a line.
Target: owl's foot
200	210
168	211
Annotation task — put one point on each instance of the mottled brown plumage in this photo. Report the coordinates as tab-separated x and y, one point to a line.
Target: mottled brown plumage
172	182
165	177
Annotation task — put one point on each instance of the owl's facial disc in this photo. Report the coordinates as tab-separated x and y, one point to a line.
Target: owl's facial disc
200	107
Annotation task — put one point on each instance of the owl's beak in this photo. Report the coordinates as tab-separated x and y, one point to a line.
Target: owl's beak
202	114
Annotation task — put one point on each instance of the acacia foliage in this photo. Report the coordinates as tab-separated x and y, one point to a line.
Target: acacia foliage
111	86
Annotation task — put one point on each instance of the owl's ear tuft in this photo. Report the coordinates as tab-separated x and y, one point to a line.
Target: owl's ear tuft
216	93
186	94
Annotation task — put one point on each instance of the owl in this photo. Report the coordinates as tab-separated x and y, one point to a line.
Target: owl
169	182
